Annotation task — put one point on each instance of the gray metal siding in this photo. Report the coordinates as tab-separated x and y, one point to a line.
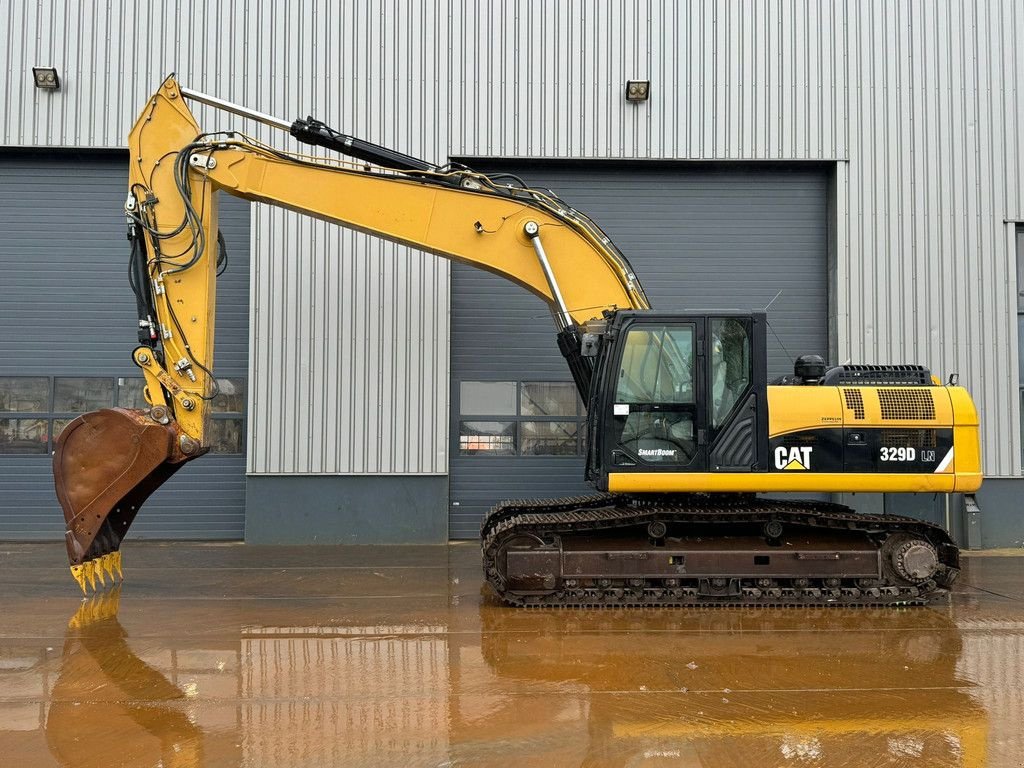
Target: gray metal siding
66	310
349	340
353	509
698	237
919	102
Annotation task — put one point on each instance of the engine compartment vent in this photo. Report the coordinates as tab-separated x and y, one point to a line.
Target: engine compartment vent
884	375
910	438
854	402
902	404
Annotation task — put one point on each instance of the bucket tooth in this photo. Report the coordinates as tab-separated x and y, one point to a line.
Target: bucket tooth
89	568
116	558
78	574
97	568
107	564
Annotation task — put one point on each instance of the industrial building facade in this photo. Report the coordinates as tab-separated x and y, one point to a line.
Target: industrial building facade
855	167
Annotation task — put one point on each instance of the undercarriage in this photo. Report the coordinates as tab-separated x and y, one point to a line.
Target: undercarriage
710	549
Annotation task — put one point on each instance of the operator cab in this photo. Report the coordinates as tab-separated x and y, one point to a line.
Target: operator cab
678	393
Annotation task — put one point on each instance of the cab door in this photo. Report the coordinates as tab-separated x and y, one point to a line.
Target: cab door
736	393
655	418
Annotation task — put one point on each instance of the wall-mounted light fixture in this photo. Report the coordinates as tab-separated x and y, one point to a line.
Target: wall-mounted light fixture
46	78
638	90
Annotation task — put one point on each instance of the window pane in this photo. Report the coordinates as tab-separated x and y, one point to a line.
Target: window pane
231	398
730	366
490	438
129	393
662	437
555	398
225	436
57	426
487	398
657	366
24	436
28	394
79	395
548	438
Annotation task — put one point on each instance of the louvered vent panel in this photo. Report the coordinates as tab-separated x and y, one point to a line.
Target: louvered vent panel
905	403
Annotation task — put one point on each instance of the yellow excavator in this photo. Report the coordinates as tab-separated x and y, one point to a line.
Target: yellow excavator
683	428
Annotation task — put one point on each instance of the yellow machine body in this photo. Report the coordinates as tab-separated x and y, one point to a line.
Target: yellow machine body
832	439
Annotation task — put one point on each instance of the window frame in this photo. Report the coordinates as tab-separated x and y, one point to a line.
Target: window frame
579	419
52	416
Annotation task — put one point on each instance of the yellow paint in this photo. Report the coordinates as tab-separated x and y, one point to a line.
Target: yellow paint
89	570
78	574
791	409
795	409
107	564
165	125
794	464
752	482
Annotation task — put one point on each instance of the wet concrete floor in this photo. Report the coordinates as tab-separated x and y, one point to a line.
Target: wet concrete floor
229	655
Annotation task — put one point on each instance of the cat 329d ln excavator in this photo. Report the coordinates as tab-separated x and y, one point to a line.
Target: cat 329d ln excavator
683	427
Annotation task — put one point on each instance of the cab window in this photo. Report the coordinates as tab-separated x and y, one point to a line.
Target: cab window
730	366
654	412
657	366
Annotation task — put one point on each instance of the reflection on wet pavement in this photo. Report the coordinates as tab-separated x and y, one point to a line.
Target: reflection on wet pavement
232	655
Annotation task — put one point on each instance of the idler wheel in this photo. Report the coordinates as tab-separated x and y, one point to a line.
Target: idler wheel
915	560
657	529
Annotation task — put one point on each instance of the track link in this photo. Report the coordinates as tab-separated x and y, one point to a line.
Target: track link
548	520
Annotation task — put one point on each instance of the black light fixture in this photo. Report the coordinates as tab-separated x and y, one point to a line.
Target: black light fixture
46	78
638	90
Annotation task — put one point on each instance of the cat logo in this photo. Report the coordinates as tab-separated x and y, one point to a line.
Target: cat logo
797	457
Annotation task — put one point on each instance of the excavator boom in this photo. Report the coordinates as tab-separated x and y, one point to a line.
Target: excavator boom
107	463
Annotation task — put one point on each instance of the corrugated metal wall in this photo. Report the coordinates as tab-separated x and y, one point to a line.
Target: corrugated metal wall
66	311
919	103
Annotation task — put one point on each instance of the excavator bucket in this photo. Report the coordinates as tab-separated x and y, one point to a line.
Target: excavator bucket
105	465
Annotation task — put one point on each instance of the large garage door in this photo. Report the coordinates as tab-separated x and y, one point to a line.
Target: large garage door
67	329
699	237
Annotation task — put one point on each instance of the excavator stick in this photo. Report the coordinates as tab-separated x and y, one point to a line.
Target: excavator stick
106	464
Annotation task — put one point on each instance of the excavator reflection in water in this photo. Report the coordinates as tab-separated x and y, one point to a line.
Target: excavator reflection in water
788	687
807	687
109	707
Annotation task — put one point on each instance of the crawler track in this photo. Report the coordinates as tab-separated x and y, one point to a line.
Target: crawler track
547	525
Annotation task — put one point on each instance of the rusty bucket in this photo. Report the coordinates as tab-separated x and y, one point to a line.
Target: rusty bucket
105	465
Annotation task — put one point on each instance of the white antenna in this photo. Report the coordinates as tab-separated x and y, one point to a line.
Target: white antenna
772	301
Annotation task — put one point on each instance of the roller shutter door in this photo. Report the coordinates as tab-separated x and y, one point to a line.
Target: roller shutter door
698	236
66	311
